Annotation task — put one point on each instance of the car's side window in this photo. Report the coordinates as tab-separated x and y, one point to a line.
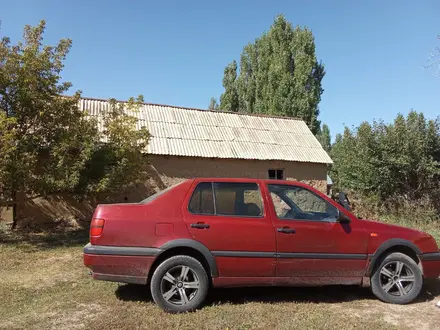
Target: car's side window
238	199
281	207
202	200
298	203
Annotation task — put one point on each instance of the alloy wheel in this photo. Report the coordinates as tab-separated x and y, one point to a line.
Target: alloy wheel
179	285
396	278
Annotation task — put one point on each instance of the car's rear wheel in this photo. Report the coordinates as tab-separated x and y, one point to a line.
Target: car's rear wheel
179	284
397	280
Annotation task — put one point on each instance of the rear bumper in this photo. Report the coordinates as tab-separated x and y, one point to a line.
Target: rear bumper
430	264
119	264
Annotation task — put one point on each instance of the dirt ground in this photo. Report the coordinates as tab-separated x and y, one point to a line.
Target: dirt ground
44	285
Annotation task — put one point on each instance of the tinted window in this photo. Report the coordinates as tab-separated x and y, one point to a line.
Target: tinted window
298	203
202	201
158	194
238	199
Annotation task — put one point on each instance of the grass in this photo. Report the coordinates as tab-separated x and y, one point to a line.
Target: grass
44	285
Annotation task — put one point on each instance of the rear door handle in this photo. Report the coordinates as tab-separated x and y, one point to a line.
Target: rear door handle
286	230
200	225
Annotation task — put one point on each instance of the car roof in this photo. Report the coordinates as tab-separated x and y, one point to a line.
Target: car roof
246	180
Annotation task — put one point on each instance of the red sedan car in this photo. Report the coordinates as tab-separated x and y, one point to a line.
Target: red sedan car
249	232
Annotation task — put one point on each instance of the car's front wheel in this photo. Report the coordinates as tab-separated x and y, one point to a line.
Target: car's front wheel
179	284
397	280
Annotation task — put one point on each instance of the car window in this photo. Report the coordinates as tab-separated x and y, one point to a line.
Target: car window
281	207
297	203
158	194
238	199
202	200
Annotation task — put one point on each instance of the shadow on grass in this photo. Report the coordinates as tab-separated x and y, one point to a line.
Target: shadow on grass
431	291
330	294
317	295
133	292
45	238
325	294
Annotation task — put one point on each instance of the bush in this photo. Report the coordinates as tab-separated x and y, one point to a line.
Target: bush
393	168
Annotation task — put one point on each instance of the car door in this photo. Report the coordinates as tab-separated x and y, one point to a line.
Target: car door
310	241
230	218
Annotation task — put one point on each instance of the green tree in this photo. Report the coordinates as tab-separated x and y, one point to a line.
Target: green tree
229	99
46	142
213	105
397	161
46	138
279	75
116	163
324	137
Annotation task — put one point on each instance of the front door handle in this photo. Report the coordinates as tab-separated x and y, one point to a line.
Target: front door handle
286	230
200	225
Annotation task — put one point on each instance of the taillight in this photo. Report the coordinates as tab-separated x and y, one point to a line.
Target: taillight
96	227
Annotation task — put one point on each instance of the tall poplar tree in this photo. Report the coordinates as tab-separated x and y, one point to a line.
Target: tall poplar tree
279	74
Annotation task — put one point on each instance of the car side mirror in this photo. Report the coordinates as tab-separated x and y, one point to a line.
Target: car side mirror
342	218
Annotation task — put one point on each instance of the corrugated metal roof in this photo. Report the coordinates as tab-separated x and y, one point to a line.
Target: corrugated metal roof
215	134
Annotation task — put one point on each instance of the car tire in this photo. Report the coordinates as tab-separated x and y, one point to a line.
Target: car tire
175	294
397	280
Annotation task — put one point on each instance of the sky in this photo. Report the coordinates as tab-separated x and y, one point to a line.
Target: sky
174	52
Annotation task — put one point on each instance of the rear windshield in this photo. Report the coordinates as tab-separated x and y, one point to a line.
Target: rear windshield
156	195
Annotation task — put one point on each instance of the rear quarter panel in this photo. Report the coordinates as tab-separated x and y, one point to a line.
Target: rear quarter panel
144	225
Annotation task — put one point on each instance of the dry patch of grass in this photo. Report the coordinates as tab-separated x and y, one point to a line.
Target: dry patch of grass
44	287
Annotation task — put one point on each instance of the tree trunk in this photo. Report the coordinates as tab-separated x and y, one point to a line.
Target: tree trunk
14	211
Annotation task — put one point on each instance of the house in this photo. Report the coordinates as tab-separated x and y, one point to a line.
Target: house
189	143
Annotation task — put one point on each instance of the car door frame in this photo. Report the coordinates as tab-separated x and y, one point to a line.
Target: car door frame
227	259
360	260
